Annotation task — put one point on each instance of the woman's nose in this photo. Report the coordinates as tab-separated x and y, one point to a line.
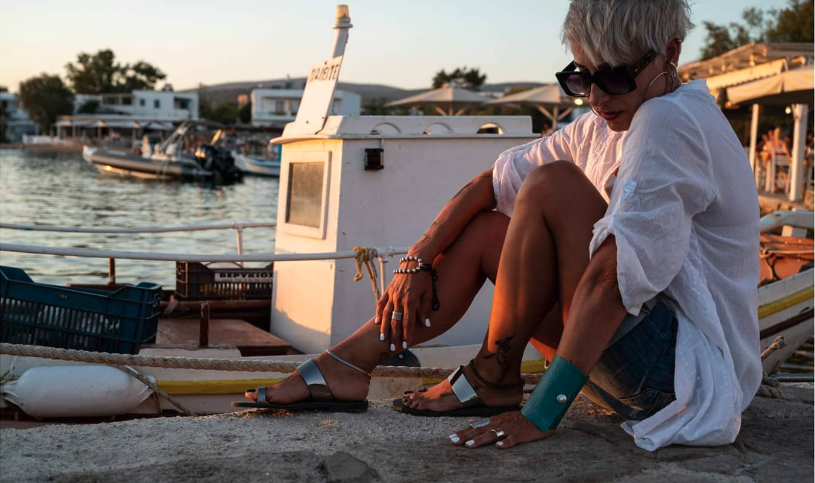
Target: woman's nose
597	96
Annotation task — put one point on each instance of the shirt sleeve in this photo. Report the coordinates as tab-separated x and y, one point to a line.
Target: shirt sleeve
513	165
665	179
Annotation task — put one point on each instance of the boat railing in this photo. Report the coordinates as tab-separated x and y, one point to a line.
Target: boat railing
383	254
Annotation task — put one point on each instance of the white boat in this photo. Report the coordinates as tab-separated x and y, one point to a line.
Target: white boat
257	166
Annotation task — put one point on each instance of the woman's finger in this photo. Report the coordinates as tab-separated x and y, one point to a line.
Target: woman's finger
482	439
395	327
385	323
508	442
380	307
425	306
408	323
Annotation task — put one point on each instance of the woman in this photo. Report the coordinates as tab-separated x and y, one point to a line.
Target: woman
624	247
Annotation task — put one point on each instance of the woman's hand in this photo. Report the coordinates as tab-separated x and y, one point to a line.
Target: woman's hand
516	430
410	294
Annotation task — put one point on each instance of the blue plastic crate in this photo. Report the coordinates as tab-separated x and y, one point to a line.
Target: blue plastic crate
73	318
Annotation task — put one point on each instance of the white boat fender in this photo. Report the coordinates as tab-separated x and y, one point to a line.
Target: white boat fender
75	391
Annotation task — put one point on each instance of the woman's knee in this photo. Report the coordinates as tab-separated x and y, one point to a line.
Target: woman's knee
555	183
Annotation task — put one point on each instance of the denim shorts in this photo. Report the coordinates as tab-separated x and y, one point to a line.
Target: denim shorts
635	374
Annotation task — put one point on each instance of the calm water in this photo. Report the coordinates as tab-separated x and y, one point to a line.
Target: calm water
62	189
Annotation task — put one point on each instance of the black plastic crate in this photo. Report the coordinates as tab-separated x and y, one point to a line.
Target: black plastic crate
77	318
196	281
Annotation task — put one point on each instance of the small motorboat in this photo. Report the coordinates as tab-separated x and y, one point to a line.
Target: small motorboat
253	153
180	157
257	166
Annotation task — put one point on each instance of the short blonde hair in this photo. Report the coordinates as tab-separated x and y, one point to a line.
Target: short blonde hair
609	31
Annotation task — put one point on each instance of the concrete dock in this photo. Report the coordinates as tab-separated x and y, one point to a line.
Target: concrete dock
775	444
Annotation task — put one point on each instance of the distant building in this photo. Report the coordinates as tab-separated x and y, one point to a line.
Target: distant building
153	105
18	121
277	107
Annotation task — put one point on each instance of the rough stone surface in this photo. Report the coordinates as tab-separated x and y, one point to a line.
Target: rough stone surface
775	444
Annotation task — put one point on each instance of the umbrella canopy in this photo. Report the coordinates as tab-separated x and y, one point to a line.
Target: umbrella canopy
544	98
790	87
448	100
549	95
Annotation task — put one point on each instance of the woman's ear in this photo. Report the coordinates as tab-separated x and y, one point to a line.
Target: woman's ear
673	50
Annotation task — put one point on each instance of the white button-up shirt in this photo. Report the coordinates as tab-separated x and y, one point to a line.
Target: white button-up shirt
684	212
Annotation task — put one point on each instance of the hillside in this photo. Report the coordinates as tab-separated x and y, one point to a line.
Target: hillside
217	93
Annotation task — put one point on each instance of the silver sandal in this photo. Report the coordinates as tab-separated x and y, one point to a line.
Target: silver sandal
320	397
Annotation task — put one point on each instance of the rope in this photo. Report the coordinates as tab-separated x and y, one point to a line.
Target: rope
365	257
213	364
147	382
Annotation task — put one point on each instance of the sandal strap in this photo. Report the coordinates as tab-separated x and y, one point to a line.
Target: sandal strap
462	389
315	381
346	363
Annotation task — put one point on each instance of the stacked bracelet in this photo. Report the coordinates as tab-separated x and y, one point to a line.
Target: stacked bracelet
424	267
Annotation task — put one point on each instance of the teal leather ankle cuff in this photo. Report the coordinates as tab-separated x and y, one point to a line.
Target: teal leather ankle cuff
558	387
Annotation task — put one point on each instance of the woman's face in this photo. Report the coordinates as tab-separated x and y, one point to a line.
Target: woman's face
618	111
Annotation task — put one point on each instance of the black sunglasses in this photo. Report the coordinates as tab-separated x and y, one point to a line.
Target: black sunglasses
613	81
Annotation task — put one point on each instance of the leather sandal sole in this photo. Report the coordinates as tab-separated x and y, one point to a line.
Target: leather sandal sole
332	406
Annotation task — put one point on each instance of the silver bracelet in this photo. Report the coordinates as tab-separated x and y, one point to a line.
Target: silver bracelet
409	258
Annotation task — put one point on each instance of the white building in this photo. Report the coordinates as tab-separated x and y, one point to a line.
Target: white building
276	107
18	122
141	105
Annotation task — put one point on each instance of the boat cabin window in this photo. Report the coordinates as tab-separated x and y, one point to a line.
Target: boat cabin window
156	104
305	196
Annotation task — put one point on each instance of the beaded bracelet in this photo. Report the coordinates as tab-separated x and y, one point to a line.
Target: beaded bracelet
410	258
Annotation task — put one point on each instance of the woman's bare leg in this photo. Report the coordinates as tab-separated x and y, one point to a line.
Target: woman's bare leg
462	270
545	253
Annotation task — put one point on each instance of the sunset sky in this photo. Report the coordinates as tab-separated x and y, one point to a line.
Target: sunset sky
400	43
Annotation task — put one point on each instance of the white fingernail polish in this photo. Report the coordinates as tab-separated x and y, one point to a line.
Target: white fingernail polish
393	347
470	443
500	443
454	438
427	322
404	345
376	320
381	336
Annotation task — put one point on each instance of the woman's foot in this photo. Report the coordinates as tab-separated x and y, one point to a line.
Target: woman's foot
441	397
345	384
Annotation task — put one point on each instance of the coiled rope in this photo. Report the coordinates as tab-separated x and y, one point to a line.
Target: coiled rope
213	364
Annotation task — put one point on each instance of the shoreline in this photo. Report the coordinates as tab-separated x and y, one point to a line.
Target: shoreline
775	444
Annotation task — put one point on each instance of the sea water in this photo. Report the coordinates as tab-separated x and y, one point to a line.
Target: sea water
58	188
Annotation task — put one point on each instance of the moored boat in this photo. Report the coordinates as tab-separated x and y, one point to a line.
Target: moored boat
180	157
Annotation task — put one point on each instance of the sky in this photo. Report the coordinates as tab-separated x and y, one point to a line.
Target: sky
395	42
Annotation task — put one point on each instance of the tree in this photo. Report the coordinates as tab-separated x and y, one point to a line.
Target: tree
88	107
44	98
99	73
245	113
792	24
471	79
224	113
375	106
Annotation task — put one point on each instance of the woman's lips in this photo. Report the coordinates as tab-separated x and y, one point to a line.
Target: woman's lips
610	116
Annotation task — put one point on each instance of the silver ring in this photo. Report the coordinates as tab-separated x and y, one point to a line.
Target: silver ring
499	433
397	315
480	423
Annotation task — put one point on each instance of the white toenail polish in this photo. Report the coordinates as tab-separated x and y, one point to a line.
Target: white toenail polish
454	438
500	443
427	322
470	443
381	336
404	345
393	347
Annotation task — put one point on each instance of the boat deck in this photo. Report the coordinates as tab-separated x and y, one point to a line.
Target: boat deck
250	340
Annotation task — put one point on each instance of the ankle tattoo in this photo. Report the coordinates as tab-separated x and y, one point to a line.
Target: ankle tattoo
503	348
502	387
